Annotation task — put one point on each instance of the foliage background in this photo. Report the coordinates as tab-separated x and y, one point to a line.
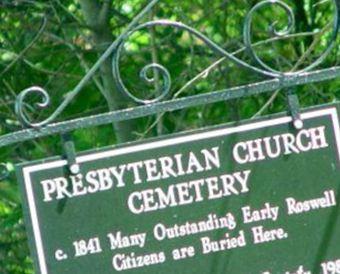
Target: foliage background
53	43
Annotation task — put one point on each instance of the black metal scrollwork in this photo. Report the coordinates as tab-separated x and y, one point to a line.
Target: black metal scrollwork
247	33
260	66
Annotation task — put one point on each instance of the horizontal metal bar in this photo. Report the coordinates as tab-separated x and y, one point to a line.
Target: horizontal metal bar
171	105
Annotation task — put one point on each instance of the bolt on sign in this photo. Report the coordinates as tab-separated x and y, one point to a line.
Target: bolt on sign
250	197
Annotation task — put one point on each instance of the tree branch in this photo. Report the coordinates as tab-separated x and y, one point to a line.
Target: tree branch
102	36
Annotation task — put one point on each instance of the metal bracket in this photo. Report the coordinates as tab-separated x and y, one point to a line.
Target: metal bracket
70	153
294	108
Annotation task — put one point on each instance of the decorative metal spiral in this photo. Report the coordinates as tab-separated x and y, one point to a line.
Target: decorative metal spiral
4	172
150	68
247	30
247	33
116	48
42	104
164	89
144	75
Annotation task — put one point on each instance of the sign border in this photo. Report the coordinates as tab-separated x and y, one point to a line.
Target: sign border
168	141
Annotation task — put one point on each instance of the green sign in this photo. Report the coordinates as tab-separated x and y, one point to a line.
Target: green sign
249	197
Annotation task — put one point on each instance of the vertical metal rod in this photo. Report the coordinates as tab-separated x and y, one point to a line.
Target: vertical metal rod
70	153
294	108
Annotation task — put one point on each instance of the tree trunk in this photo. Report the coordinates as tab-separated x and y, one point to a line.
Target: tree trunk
97	18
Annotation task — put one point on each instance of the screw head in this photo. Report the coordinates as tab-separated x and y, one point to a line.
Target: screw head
75	169
298	124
